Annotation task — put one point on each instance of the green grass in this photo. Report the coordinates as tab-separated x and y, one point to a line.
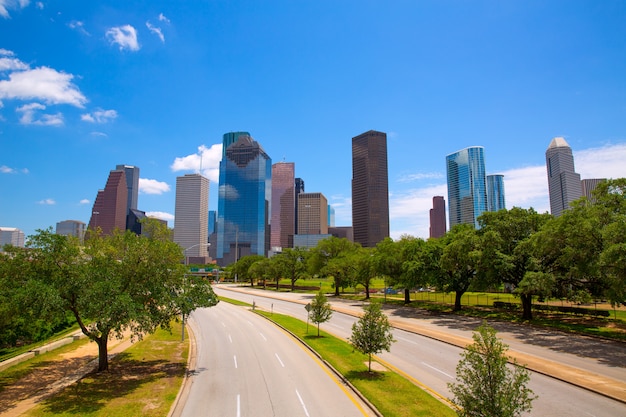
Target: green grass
233	301
142	381
392	394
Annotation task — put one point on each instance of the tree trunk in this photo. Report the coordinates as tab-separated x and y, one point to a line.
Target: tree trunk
407	296
103	352
293	285
457	300
527	303
336	287
367	291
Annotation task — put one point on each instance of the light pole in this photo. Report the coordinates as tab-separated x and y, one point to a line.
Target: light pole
185	278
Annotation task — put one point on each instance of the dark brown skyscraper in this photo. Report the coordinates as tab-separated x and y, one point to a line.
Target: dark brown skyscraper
283	223
110	207
438	217
370	192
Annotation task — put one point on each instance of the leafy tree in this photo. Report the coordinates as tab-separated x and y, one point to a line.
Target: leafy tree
241	268
113	284
460	261
388	261
485	386
292	264
506	254
320	310
364	268
264	269
371	334
326	260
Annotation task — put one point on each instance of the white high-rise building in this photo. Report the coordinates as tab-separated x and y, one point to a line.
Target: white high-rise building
563	182
11	236
191	223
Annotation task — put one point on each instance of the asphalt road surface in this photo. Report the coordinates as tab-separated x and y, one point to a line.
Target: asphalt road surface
247	366
432	363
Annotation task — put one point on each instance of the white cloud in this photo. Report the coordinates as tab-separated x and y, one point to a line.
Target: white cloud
162	18
29	116
125	36
6	5
409	211
156	30
6	170
47	202
421	176
11	64
160	215
101	134
147	186
206	161
84	201
603	162
39	5
99	116
44	84
78	26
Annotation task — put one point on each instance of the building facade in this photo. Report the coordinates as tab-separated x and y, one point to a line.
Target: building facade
370	189
191	217
71	228
467	186
11	236
244	203
495	192
110	207
312	214
132	186
589	185
283	223
438	217
299	189
563	182
230	138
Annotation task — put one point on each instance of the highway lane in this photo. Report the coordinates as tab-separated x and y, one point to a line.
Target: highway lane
246	366
433	364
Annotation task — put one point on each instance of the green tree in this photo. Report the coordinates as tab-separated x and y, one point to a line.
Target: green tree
113	284
320	310
241	268
364	268
326	259
371	334
485	386
292	264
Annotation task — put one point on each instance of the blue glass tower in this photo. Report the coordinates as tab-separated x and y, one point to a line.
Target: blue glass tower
495	192
467	185
243	201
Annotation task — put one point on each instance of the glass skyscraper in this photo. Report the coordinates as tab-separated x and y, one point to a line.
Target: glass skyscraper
244	201
467	185
563	182
495	192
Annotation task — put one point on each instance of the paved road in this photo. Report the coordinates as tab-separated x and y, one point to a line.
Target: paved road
433	363
246	366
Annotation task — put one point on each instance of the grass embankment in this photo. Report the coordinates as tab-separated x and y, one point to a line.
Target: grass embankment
142	381
392	394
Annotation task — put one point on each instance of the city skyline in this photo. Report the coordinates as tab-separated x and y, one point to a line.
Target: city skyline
86	87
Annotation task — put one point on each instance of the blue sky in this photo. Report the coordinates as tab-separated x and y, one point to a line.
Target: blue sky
85	86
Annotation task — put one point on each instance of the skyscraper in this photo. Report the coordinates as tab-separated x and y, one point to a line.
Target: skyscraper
467	185
370	192
589	185
191	216
438	217
110	208
283	205
11	236
132	185
312	214
71	228
299	189
244	203
230	138
495	192
563	182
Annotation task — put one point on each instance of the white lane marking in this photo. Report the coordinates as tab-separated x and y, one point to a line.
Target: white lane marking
235	359
230	338
407	340
438	370
250	323
263	336
238	406
281	362
302	403
223	325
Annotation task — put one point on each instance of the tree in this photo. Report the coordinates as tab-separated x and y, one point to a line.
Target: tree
371	334
326	259
364	268
292	264
241	268
485	386
320	310
113	284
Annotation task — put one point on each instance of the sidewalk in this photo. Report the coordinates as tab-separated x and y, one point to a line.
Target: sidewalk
600	384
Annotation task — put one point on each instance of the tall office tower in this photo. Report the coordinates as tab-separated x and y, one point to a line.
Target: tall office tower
191	216
132	185
495	192
299	189
589	185
212	221
370	192
438	217
110	208
244	203
283	205
331	216
467	185
71	228
312	214
563	182
230	138
11	236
